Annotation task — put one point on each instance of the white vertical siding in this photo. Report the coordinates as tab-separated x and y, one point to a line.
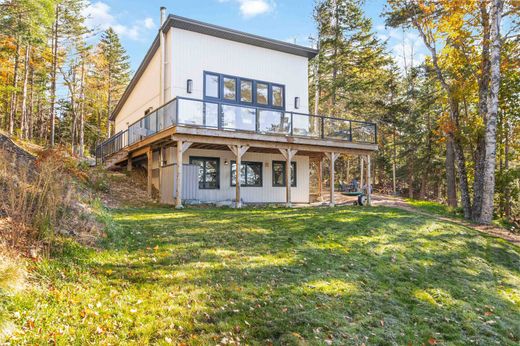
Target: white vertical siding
265	194
194	53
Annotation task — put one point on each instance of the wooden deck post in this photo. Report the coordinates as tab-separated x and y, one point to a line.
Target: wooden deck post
238	150
149	156
129	163
369	180
181	148
320	179
332	156
288	154
361	173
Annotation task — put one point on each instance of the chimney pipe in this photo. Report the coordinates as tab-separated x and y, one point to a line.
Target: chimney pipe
162	71
163	15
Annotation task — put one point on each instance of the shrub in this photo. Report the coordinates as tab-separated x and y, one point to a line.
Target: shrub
35	191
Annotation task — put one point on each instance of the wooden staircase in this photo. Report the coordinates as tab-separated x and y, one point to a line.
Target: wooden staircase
112	160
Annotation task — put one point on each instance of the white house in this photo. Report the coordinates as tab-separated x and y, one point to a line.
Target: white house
211	97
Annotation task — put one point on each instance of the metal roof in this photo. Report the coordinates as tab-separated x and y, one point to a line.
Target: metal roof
183	23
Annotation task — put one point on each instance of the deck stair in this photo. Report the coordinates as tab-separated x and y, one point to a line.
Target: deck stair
110	161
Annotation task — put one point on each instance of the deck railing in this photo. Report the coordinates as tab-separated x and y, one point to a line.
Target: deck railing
234	117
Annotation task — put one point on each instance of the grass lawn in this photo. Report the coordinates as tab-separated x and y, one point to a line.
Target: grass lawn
349	275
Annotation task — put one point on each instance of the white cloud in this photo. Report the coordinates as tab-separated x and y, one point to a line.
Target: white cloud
148	23
99	17
252	8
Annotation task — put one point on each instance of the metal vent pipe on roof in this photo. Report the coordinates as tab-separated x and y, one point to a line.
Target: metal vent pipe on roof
163	15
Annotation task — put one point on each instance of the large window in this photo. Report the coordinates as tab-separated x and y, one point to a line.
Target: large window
209	171
211	85
246	91
262	93
277	95
250	173
279	173
232	89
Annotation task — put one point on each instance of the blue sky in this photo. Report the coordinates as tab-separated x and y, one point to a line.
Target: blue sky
288	20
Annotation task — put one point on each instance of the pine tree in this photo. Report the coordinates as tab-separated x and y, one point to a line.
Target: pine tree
114	69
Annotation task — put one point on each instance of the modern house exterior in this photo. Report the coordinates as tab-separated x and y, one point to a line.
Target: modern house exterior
215	99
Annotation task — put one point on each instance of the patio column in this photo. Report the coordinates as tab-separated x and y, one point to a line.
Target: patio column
149	157
361	169
320	178
238	151
288	154
129	163
369	181
181	148
332	156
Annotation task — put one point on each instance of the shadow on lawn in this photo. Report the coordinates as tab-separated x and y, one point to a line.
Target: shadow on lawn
351	275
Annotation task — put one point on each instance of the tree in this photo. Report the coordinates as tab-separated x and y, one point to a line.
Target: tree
114	69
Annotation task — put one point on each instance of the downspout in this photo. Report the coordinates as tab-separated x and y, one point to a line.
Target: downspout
163	58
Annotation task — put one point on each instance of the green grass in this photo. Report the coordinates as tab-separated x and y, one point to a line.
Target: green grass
349	275
440	209
436	208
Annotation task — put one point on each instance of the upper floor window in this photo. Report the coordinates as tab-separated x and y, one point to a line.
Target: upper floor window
230	88
211	85
262	93
234	89
246	91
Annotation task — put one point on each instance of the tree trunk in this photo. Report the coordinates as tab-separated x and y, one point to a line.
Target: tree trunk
507	192
483	84
23	121
31	106
82	111
451	186
14	95
53	74
488	190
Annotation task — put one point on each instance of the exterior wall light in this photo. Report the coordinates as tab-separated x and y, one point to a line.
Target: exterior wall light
297	103
189	86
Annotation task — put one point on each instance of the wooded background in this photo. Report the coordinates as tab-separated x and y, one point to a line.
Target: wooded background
448	125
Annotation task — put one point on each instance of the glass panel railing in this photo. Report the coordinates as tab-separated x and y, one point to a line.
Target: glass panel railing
197	113
306	125
363	132
192	112
336	128
274	122
238	118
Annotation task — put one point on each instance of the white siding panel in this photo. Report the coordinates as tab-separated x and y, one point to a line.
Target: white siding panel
265	194
194	53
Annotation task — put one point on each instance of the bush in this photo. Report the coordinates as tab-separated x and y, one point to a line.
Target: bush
36	192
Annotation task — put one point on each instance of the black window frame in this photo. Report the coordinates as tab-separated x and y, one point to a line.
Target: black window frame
232	177
283	163
207	158
238	91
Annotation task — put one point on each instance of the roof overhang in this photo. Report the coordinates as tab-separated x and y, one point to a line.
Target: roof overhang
183	23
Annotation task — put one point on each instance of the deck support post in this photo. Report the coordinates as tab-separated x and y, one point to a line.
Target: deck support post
238	151
129	163
149	157
332	156
320	177
180	149
369	185
288	155
361	173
